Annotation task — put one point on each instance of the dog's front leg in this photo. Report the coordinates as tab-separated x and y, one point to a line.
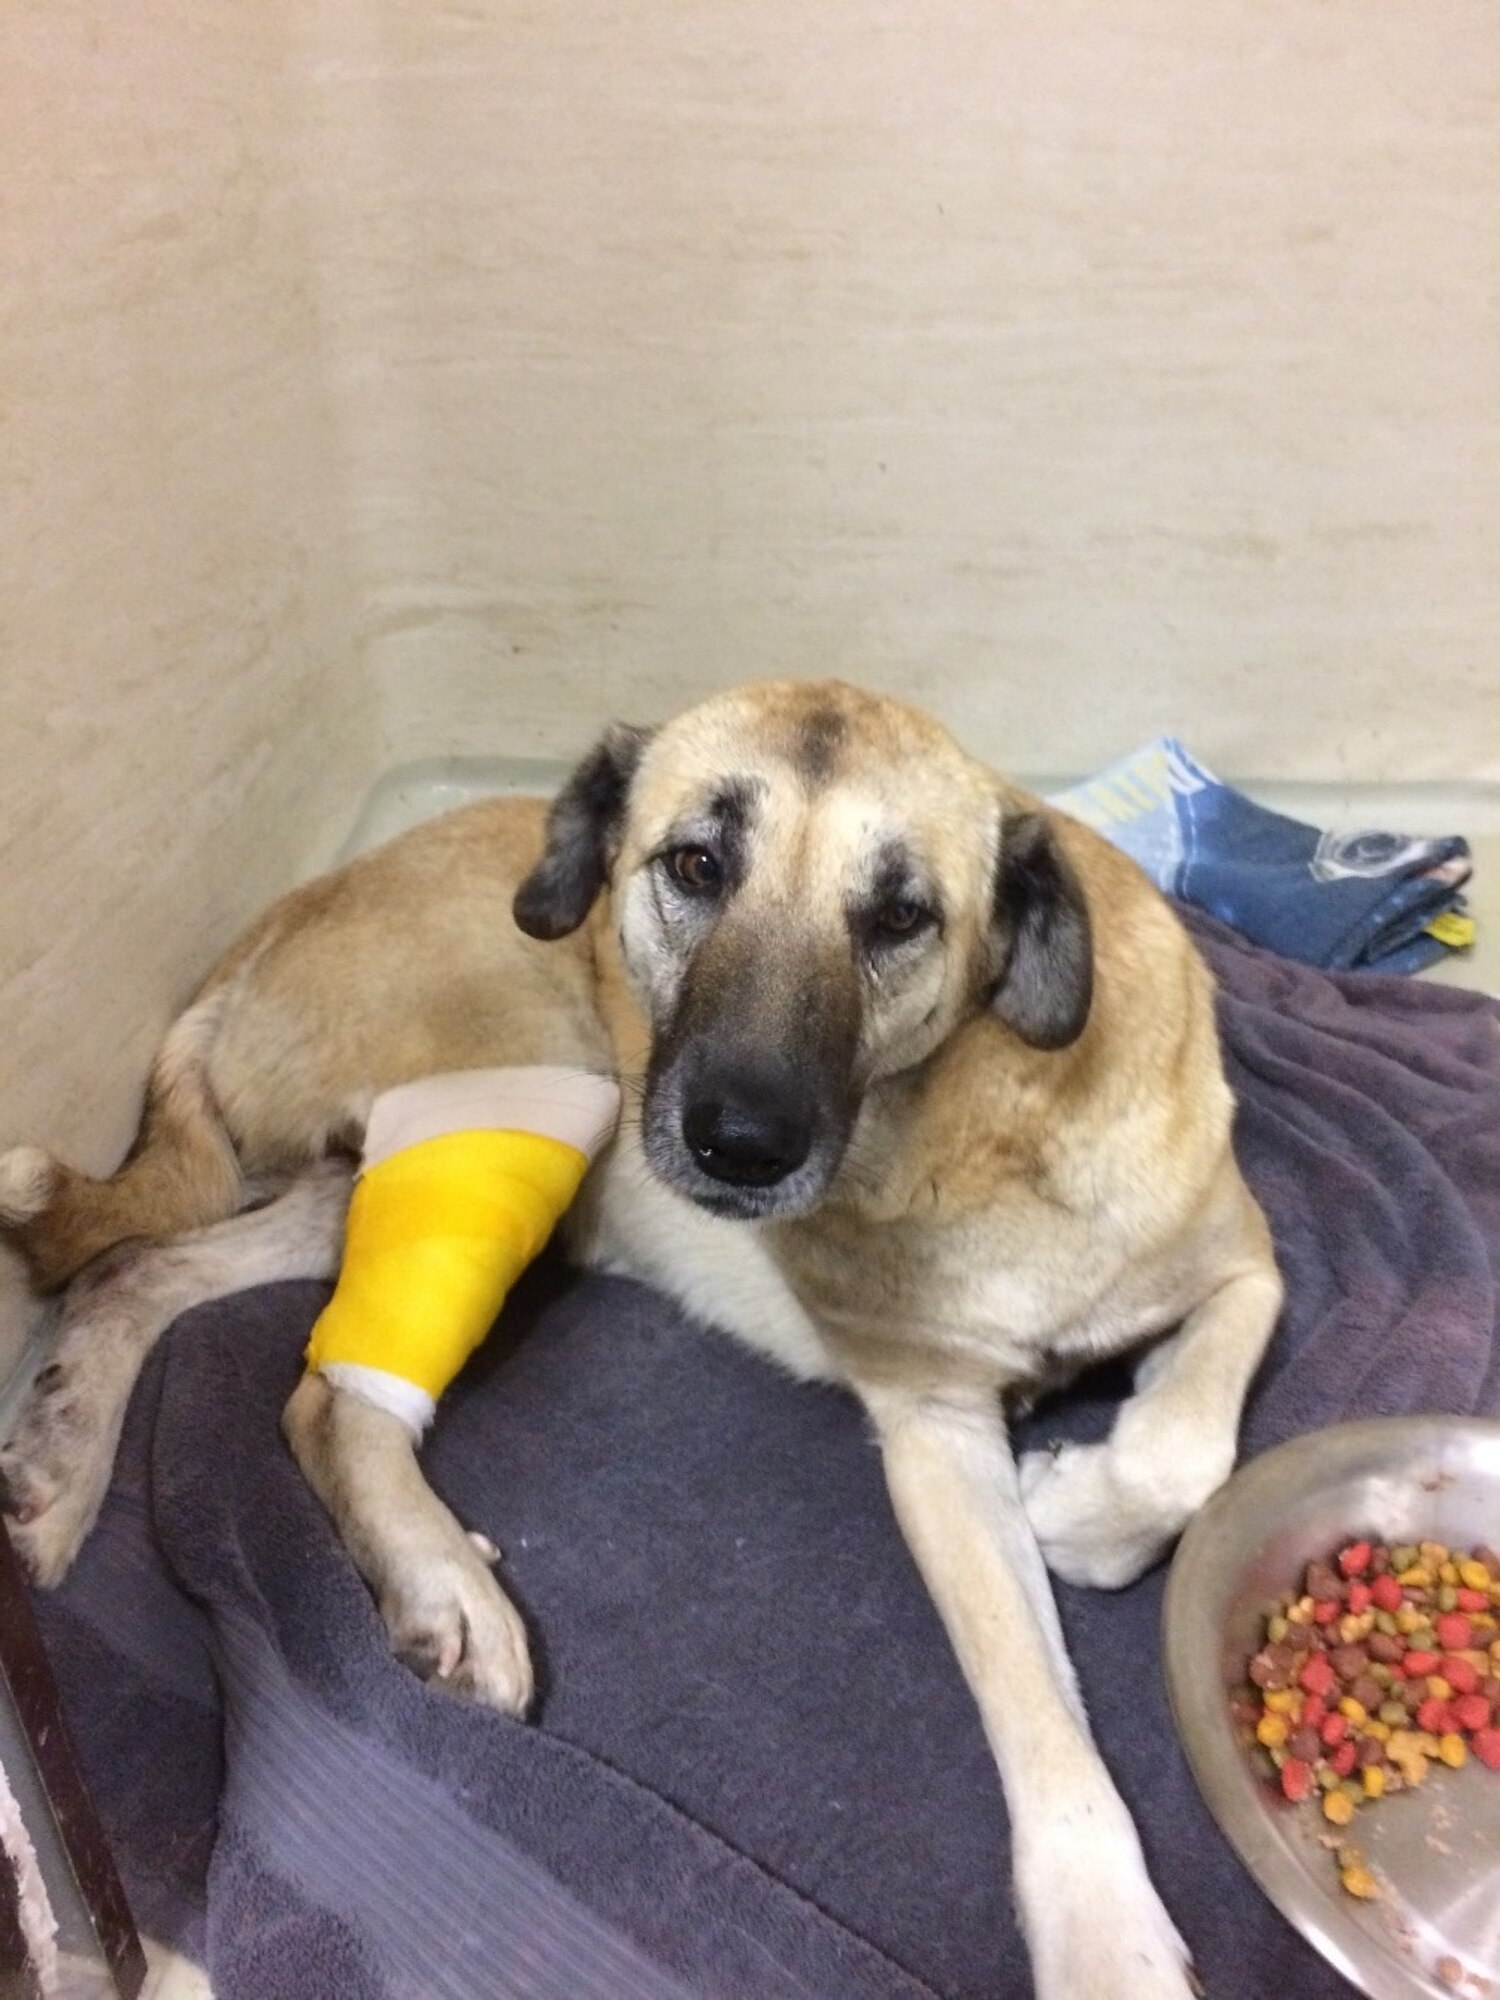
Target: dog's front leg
447	1617
1095	1925
1103	1513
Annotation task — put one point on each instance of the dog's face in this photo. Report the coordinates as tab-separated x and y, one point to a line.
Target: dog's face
812	888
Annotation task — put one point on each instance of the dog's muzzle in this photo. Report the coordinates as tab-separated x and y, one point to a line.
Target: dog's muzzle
750	1095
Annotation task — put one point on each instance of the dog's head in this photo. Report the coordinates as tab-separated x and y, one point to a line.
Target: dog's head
812	889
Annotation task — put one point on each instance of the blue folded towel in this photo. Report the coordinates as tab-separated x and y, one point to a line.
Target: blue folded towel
1382	902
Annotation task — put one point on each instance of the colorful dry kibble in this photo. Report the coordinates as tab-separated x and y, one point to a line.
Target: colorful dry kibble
1386	1662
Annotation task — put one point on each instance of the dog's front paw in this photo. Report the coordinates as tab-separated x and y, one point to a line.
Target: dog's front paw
1114	1951
1092	1529
452	1624
1096	1927
54	1471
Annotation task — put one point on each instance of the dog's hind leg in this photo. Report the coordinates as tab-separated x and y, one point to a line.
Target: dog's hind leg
55	1468
182	1172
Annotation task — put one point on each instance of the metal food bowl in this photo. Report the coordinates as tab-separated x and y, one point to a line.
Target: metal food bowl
1435	1930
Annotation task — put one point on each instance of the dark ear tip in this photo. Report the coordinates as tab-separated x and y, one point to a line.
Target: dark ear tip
538	907
530	916
1060	1029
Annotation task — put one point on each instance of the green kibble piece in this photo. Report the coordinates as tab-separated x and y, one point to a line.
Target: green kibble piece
1380	1673
1277	1627
1405	1556
1352	1788
1393	1712
1385	1621
1447	1598
1328	1778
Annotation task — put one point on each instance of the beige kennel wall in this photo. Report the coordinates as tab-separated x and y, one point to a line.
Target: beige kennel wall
1081	368
182	720
389	378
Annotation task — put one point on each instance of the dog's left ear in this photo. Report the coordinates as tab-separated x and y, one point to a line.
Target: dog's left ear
583	836
1043	936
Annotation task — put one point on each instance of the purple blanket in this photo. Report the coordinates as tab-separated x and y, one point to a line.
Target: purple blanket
755	1769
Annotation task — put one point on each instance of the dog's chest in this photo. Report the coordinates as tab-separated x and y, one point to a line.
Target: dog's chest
1017	1283
991	1297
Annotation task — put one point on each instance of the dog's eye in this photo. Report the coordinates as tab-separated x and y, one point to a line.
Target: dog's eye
901	918
696	870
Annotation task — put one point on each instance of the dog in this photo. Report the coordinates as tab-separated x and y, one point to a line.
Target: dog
924	1098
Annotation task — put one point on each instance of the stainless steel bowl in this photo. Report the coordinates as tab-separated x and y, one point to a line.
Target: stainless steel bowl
1435	1851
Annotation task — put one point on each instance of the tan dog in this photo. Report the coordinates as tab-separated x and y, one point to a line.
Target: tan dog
931	1106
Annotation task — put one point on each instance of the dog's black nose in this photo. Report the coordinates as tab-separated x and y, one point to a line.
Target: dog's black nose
748	1145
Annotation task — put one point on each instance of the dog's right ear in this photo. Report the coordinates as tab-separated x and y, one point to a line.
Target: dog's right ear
583	836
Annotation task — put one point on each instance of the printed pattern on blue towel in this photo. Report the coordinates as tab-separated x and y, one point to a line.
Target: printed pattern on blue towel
1367	899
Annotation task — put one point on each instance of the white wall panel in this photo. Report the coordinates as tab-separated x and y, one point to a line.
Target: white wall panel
1084	370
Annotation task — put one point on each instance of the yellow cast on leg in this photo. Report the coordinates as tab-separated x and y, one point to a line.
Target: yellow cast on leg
436	1237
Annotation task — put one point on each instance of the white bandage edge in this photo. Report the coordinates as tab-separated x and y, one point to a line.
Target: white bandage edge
383	1391
566	1104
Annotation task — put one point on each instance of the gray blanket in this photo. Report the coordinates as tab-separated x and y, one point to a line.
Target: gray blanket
755	1770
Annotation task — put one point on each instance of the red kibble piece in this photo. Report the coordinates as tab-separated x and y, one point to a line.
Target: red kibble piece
1472	1711
1296	1775
1343	1759
1419	1665
1471	1600
1486	1749
1435	1717
1313	1711
1326	1610
1453	1631
1334	1729
1461	1675
1385	1593
1317	1676
1355	1560
1359	1598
